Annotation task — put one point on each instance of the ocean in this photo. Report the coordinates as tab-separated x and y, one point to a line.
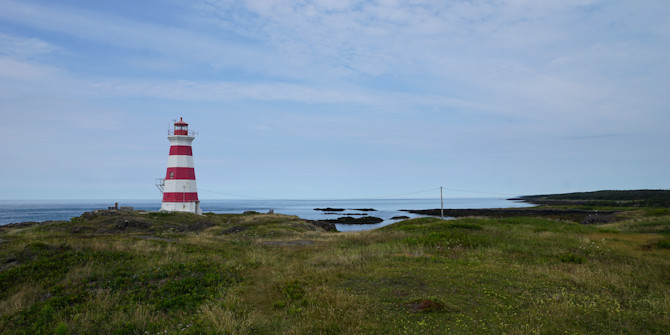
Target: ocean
12	211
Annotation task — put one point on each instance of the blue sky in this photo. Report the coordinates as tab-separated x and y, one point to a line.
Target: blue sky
334	98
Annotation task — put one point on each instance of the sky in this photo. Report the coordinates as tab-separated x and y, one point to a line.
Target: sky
330	99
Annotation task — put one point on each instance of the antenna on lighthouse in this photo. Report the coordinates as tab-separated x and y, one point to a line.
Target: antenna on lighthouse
160	184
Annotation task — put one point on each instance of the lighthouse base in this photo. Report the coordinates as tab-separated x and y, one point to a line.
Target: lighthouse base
190	207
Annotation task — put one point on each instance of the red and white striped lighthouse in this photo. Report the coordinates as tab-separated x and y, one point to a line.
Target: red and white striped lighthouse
179	190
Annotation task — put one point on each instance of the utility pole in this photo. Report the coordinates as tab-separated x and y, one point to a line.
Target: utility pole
441	204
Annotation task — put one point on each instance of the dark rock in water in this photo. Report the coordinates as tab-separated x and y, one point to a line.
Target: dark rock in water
329	209
345	213
365	209
351	220
400	217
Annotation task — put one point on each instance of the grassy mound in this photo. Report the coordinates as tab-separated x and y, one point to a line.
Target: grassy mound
268	274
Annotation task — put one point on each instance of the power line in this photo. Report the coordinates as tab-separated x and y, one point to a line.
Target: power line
395	195
235	195
480	192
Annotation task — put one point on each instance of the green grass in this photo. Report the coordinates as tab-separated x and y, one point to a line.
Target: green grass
170	273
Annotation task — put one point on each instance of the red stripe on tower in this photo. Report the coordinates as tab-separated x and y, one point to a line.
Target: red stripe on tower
179	196
177	150
180	173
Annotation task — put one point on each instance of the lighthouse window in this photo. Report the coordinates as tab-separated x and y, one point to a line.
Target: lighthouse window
171	175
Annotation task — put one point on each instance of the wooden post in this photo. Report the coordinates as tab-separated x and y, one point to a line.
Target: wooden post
441	204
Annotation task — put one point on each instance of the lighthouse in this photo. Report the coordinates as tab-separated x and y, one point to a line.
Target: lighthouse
179	189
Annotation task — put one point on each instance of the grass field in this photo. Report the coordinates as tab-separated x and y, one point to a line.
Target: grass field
274	274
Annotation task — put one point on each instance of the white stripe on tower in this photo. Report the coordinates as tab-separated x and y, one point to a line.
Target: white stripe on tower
183	161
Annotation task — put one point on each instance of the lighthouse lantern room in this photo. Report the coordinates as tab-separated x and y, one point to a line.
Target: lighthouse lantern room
180	193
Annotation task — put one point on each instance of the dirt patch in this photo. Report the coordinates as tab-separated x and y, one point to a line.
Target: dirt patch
425	306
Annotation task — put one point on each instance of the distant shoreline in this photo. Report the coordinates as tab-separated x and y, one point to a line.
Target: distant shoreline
14	212
582	216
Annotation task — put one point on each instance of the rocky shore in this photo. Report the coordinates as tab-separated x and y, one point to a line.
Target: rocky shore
351	220
331	209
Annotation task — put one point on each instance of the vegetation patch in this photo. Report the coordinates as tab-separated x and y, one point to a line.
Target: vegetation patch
613	198
448	238
572	258
293	290
173	286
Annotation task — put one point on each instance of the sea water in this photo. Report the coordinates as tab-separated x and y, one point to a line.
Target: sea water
12	211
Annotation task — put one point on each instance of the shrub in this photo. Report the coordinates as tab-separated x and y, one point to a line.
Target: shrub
572	258
294	290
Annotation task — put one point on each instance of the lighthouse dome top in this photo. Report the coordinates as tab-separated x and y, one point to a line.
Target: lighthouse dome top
181	122
180	129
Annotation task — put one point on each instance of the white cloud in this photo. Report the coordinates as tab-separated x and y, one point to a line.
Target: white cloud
125	33
229	91
12	69
16	46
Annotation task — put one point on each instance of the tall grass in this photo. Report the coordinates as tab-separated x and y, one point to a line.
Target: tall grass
427	276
